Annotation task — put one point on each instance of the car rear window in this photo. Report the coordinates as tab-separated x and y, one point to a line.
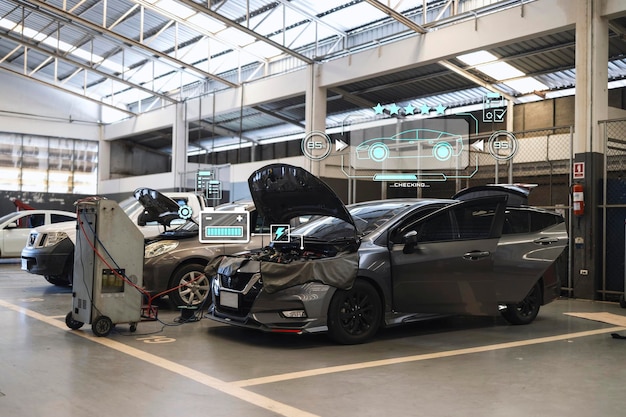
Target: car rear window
58	218
528	221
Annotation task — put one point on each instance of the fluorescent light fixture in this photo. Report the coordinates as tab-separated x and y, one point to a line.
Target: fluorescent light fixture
526	85
477	58
500	71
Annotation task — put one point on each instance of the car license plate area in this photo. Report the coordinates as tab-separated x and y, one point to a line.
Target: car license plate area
24	264
229	299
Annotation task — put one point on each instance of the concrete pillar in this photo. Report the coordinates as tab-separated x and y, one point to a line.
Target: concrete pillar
180	137
591	106
315	109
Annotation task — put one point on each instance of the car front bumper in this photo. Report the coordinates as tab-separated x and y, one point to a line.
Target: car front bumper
49	260
270	312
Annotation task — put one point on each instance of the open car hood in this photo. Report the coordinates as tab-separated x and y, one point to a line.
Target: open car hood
282	192
157	207
518	194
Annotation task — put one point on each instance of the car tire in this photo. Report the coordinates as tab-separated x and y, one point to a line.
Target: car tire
525	311
354	315
58	280
194	294
66	278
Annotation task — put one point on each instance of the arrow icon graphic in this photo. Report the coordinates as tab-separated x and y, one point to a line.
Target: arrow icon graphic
340	145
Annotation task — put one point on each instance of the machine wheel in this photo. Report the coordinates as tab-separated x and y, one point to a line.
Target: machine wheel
71	323
525	311
133	327
354	315
102	326
195	286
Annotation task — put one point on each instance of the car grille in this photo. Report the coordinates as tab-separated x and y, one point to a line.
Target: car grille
35	240
247	286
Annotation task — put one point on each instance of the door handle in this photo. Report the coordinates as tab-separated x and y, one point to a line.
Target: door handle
476	255
545	241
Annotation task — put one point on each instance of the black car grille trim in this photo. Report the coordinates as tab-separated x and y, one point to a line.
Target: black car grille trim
240	282
246	299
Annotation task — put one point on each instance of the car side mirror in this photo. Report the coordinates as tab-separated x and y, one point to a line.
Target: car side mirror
410	241
12	225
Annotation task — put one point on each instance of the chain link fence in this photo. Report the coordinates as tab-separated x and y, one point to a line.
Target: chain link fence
614	208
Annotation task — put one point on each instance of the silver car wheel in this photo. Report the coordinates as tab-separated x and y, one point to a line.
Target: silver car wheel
193	286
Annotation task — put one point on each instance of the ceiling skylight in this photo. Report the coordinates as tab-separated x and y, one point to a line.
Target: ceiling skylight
526	85
63	46
500	71
477	58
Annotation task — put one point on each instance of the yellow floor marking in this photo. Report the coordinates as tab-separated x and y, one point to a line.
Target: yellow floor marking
236	390
610	318
211	382
415	358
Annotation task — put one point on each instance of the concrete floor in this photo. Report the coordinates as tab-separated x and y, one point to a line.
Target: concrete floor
559	365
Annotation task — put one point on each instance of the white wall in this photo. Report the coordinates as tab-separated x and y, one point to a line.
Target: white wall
31	108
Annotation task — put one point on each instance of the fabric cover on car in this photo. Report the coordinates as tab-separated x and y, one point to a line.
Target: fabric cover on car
339	271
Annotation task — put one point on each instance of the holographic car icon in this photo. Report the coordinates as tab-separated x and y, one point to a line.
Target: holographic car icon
414	143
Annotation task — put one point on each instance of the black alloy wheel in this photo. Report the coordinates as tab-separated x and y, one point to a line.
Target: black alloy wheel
526	311
354	315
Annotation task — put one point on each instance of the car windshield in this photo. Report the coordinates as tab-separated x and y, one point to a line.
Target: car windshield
367	217
6	217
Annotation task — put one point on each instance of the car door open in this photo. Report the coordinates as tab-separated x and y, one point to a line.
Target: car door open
444	262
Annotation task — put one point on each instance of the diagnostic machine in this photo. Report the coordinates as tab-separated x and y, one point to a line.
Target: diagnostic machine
108	268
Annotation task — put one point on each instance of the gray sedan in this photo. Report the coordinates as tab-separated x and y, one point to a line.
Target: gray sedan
385	263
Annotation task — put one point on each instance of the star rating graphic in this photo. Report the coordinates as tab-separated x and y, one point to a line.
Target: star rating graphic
395	110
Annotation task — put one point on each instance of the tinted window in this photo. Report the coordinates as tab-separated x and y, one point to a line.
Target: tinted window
516	221
57	218
540	220
474	222
367	218
34	220
527	221
469	221
436	228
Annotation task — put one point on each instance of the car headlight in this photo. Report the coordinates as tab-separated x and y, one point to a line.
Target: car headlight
52	238
159	248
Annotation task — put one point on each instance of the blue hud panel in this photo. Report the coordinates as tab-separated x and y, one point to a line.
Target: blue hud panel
224	227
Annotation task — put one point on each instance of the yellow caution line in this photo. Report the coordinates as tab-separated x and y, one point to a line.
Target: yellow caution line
415	358
209	381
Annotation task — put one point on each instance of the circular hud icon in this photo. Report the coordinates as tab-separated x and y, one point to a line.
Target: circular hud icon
502	145
316	145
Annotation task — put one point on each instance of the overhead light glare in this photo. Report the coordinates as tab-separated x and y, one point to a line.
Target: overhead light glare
477	58
175	8
500	71
526	85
